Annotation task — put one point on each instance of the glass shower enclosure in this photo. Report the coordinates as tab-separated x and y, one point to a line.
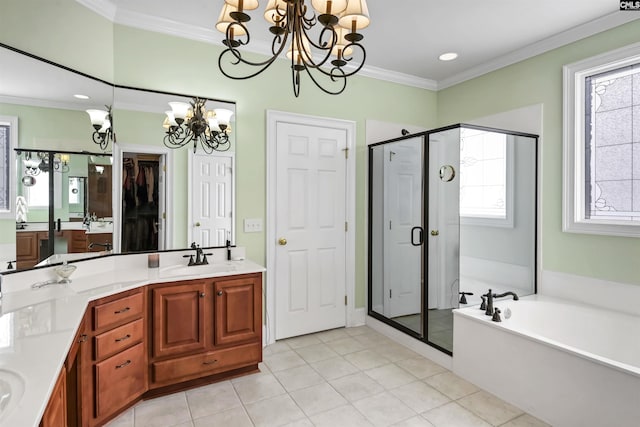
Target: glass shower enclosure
452	213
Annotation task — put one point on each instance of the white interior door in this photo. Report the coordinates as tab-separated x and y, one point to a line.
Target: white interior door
310	246
212	199
403	211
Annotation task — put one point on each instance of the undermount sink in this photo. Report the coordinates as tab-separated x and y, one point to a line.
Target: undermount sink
184	270
11	391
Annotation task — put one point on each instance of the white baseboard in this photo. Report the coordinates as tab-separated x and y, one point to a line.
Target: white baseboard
358	318
419	347
621	297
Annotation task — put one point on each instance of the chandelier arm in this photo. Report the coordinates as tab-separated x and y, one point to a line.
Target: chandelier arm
322	47
264	66
333	78
350	57
234	42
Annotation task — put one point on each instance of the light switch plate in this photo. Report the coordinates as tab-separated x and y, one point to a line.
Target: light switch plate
252	225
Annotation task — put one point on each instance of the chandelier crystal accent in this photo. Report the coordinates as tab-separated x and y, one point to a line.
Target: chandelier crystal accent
322	40
102	122
192	122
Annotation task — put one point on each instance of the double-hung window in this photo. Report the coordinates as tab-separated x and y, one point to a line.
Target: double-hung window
602	144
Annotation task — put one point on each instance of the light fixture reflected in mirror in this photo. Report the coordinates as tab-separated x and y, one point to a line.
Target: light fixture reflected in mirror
102	122
187	122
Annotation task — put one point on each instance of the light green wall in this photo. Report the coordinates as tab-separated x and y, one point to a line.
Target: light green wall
61	31
539	81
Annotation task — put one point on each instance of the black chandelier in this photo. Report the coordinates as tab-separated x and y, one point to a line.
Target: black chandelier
102	122
187	122
336	37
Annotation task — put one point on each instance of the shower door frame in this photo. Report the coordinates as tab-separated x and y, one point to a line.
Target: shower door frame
424	336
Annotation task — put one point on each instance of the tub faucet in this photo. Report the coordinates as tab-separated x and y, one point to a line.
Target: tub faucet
488	307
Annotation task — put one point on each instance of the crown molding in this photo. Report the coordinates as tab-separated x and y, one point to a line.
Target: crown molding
396	77
46	103
104	8
574	34
142	21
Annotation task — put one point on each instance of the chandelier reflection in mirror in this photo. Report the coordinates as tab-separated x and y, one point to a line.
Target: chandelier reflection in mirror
314	40
34	163
192	122
102	121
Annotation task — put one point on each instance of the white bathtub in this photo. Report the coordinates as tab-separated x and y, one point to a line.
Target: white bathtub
565	363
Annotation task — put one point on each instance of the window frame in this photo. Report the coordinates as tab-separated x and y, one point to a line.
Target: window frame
508	220
573	196
12	121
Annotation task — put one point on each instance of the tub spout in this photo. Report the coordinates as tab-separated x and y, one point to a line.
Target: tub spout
513	294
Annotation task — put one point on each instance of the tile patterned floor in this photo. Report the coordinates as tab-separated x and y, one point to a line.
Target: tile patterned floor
341	378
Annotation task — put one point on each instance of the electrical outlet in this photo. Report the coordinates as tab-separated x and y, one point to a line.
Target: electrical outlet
253	225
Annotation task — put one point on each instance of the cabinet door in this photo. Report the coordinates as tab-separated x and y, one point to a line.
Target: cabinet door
120	380
238	310
26	249
178	318
55	415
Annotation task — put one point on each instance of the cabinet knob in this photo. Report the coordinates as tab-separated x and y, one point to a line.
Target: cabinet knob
220	293
202	294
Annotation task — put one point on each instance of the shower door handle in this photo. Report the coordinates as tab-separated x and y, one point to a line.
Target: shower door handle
413	235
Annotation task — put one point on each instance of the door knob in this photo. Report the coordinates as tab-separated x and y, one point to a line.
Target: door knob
197	224
435	232
282	241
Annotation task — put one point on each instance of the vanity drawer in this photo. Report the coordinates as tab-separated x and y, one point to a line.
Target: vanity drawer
116	340
120	379
116	312
199	365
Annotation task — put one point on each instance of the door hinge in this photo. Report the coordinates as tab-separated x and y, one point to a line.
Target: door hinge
346	152
389	293
389	224
345	300
346	226
164	168
164	215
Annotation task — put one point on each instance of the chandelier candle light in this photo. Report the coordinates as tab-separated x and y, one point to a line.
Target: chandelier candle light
187	122
335	23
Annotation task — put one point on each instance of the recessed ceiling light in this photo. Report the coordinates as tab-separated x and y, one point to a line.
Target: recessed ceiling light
80	96
449	56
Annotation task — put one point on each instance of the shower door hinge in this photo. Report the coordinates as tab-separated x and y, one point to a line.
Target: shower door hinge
389	293
346	226
345	300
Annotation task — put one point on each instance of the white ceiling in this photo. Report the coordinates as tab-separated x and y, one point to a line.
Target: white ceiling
406	36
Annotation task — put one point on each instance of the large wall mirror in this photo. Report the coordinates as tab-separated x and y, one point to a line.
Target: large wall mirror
132	197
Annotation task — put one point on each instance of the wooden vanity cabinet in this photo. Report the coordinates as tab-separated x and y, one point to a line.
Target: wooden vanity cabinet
115	364
205	327
27	249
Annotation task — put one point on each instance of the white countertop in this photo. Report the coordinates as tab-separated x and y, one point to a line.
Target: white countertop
37	326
